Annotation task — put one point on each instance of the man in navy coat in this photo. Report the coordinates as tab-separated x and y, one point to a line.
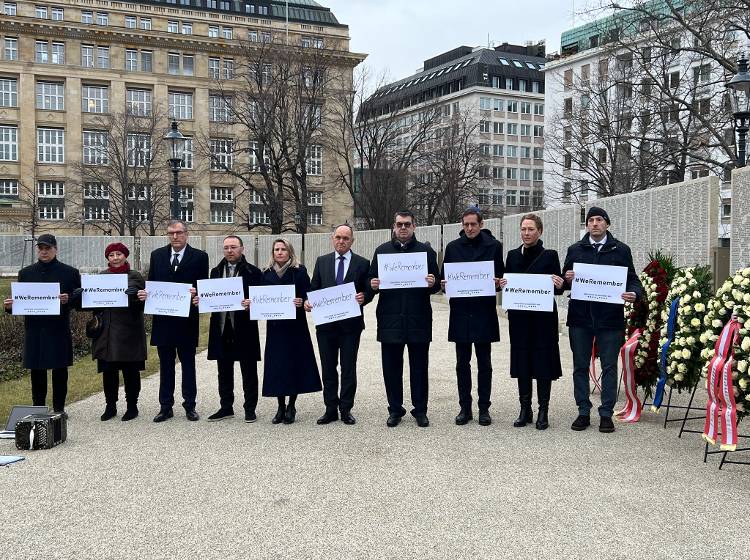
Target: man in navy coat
176	336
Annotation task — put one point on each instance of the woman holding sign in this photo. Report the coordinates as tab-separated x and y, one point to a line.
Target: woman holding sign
289	361
534	347
121	346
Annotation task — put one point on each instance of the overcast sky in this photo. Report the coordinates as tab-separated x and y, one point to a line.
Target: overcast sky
398	35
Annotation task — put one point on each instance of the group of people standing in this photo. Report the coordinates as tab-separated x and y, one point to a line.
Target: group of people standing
404	322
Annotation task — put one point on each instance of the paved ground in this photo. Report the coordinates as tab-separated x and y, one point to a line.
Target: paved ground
235	490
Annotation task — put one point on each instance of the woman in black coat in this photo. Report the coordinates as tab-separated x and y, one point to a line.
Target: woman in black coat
122	344
289	365
534	346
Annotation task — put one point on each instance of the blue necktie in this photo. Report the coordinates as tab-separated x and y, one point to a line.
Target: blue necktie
340	271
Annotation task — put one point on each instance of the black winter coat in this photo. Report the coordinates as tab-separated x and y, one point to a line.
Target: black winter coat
474	319
597	315
534	340
177	331
405	314
246	340
48	342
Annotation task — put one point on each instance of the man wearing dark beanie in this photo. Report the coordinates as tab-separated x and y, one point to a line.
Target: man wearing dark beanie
603	322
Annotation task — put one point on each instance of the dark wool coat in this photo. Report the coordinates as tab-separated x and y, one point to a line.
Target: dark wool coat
595	315
123	337
48	342
534	341
474	319
177	331
289	365
246	340
405	314
324	276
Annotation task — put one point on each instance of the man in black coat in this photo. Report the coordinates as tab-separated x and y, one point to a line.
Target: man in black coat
405	319
473	320
340	337
176	336
604	322
233	337
48	342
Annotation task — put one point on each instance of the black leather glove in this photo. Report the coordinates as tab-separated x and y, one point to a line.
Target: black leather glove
75	294
131	291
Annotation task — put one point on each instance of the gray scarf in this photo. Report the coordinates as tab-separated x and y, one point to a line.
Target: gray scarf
281	270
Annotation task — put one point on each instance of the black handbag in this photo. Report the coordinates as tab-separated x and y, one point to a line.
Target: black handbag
95	325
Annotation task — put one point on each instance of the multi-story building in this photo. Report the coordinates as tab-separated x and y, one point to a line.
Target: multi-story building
67	64
502	89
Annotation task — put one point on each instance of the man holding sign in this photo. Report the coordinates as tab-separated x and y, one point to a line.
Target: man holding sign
597	320
405	319
340	338
473	320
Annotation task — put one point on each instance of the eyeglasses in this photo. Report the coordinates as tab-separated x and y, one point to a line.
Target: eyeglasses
403	225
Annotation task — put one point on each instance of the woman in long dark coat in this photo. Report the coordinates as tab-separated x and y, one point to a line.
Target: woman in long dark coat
122	343
289	365
534	344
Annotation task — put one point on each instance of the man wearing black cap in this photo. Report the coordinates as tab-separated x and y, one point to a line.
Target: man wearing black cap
48	343
604	322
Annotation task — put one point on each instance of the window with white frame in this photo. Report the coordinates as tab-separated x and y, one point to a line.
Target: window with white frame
213	31
539	108
138	102
95	147
538	174
94	99
512	129
315	217
87	16
187	214
497	173
187	154
10	49
538	153
41	12
131	22
57	53
511	173
312	42
102	18
498	127
173	63
180	105
524	198
497	150
524	174
138	191
526	152
131	60
87	56
219	108
314	160
102	57
227	69
95	191
511	197
188	65
50	143
96	212
258	216
513	106
41	53
226	32
498	104
8	143
146	24
50	189
222	194
314	198
139	150
187	28
538	130
57	14
147	61
52	211
497	197
8	92
525	108
256	197
484	126
512	151
525	130
222	214
10	8
9	187
138	214
221	153
266	37
214	68
485	103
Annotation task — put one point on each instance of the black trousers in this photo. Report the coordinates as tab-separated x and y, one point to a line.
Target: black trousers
483	352
59	387
167	355
332	345
249	371
393	375
543	390
111	385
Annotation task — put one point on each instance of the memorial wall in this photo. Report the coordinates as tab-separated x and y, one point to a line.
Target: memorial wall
739	253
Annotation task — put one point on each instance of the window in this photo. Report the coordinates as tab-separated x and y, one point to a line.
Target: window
42	52
602	155
8	92
187	156
138	102
567	161
259	217
228	69
102	57
314	160
512	151
131	60
87	56
538	153
87	17
483	196
50	96
213	68
52	210
497	150
222	194
58	53
674	79
41	12
96	191
522	85
485	103
484	126
702	73
8	187
9	8
102	18
219	108
508	83
213	31
188	64
524	198
252	34
498	105
96	213
314	198
525	108
497	173
180	105
524	175
222	214
138	214
50	143
538	175
147	58
139	150
8	143
568	79
50	189
512	129
513	106
146	24
511	198
187	28
221	153
173	26
95	147
131	22
226	32
315	217
11	48
57	14
568	107
526	152
538	131
266	37
539	108
497	197
525	130
497	127
511	173
173	62
138	192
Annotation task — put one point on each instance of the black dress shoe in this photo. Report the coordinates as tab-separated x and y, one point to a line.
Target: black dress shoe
221	414
290	414
250	417
484	418
464	416
109	412
422	420
581	423
328	417
191	415
606	426
164	414
279	417
347	418
542	422
393	420
130	414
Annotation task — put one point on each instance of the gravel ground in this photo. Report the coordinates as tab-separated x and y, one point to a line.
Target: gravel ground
236	490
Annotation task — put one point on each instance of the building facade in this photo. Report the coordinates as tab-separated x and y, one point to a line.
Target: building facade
66	67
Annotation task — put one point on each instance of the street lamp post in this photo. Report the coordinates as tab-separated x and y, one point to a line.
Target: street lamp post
739	98
176	142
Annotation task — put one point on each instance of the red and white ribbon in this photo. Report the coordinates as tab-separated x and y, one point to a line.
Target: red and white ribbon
721	403
592	367
632	410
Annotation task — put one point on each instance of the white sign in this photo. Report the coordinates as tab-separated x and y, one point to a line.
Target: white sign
470	279
167	298
402	270
220	294
35	298
334	304
528	292
104	290
596	282
272	302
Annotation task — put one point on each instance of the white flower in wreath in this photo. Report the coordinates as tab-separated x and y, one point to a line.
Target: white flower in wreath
747	397
682	368
742	383
686	298
745	272
745	345
697	294
691	341
686	354
699	308
704	338
695	322
737	279
679	377
745	283
716	324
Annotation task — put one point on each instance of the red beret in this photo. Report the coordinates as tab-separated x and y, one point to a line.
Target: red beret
116	247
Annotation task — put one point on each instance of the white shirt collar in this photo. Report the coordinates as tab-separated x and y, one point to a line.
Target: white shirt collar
180	253
602	241
347	256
